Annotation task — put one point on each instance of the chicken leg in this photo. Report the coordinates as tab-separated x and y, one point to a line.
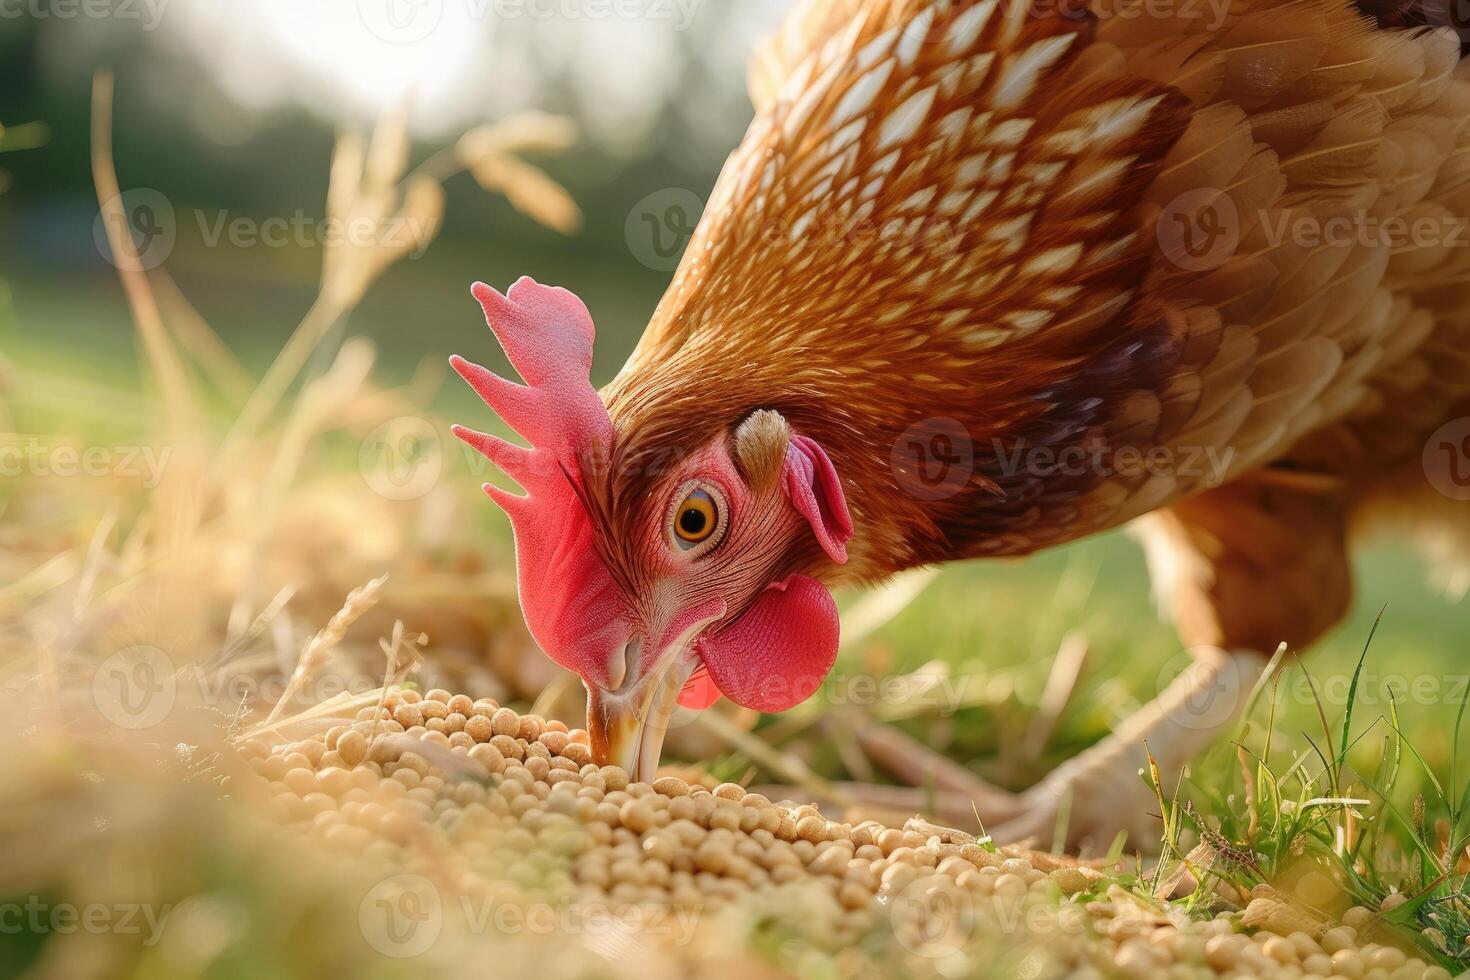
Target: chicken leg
1100	792
1242	568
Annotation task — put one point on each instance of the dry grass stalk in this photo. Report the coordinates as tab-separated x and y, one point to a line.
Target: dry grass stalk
841	727
492	155
177	395
177	502
315	719
40	580
403	654
26	136
360	195
782	764
916	764
92	564
358	602
370	187
526	132
200	342
1066	668
190	544
561	686
322	400
258	625
529	190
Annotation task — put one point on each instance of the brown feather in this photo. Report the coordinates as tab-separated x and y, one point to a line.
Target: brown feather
760	448
953	210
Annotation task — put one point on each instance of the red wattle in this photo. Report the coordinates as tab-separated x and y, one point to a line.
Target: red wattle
778	653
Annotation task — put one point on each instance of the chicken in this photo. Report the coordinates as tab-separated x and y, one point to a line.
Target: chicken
987	277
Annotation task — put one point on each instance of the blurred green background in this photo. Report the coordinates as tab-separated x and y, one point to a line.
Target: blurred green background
228	110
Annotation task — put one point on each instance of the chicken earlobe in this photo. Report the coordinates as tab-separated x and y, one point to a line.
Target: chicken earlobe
812	484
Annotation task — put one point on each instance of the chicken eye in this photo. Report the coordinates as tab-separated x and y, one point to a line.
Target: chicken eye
697	519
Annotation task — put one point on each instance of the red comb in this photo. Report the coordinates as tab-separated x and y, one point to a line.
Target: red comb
547	333
566	593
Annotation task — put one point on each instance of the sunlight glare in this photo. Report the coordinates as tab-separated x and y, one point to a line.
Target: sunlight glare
351	57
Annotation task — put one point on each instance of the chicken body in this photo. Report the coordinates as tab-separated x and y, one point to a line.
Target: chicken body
1141	234
1026	272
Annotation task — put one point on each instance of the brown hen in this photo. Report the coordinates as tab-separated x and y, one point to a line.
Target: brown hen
1026	272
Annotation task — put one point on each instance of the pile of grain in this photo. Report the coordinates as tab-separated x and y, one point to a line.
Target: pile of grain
480	801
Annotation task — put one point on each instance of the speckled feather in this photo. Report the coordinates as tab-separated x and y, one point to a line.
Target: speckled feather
952	209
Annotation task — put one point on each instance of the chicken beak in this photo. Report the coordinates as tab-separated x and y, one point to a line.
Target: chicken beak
627	723
627	726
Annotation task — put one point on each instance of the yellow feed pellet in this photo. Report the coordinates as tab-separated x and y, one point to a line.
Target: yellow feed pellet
505	800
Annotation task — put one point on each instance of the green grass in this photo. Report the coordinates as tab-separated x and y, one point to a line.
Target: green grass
1373	713
1000	624
1287	812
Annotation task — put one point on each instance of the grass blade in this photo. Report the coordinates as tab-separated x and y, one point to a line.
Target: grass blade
1352	698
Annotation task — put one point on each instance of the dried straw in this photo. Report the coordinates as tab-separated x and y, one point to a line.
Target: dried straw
359	601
